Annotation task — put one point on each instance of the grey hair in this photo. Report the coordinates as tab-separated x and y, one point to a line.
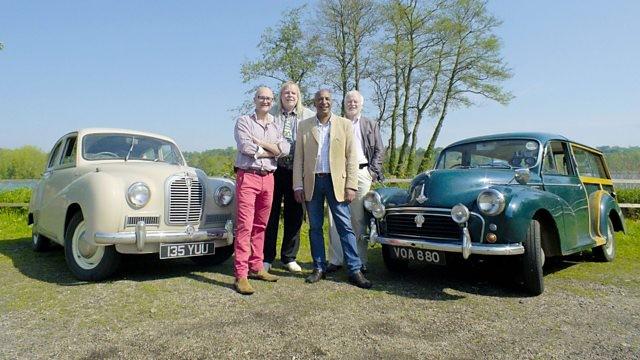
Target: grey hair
354	93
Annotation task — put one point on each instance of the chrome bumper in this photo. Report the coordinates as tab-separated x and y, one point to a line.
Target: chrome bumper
465	246
141	236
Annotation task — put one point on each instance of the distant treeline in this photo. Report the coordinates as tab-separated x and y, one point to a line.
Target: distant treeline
28	162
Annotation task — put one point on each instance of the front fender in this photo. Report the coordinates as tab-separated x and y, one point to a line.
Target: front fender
213	215
392	196
523	204
101	196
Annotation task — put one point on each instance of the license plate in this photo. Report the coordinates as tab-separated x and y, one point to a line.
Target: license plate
418	255
171	251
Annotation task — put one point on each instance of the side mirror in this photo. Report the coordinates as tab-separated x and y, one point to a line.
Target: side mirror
522	176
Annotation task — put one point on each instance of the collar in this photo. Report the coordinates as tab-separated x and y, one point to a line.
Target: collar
328	122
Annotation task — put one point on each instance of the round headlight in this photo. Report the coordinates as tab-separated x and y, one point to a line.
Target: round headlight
491	202
138	195
460	214
223	196
378	211
371	198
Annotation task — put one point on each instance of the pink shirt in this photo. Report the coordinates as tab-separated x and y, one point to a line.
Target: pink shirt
248	126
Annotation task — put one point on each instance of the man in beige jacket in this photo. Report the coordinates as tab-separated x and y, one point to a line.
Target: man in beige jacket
325	166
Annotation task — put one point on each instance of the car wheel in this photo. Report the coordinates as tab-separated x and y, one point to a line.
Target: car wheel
607	252
532	261
220	256
86	261
393	264
39	243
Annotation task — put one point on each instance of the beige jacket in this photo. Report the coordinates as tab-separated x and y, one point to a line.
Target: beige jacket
343	160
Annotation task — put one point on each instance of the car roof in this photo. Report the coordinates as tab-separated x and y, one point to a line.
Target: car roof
540	136
87	131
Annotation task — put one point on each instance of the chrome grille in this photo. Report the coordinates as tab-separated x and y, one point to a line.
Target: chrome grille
217	219
148	220
185	201
433	227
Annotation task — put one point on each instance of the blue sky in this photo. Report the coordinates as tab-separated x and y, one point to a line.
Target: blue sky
173	67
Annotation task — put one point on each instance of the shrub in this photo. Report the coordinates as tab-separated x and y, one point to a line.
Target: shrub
22	195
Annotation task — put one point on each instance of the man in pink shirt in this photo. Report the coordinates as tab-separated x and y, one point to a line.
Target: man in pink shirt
260	143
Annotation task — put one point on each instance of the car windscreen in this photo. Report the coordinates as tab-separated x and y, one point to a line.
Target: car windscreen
506	154
129	147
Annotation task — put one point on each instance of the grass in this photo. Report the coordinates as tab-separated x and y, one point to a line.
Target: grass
151	303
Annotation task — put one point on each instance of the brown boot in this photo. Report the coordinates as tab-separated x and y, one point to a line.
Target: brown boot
243	287
263	275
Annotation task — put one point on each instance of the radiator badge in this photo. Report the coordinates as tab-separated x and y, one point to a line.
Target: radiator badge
419	219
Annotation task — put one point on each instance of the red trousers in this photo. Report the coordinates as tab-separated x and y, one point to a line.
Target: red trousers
254	194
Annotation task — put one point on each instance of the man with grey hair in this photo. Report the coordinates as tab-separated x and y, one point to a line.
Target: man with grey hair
370	150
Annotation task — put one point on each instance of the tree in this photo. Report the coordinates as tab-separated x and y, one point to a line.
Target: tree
346	28
286	53
474	67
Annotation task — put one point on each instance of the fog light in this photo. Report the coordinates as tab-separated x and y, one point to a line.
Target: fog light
460	214
491	238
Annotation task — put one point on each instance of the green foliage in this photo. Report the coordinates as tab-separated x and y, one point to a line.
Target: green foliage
26	162
629	196
215	162
622	159
287	53
21	195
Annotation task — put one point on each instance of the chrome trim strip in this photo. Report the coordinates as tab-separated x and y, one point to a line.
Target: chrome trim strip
458	247
141	236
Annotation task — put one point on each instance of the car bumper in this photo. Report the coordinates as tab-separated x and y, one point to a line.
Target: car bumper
141	236
466	247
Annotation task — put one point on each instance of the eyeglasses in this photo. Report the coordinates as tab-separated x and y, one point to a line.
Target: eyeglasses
264	98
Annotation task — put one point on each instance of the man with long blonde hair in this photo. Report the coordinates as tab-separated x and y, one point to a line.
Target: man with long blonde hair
288	112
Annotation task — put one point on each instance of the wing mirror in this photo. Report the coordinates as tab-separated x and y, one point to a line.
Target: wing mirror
522	176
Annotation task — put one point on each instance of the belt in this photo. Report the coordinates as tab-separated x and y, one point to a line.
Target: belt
255	171
362	166
323	174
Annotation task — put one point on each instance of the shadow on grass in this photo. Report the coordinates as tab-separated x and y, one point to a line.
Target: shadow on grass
450	282
50	266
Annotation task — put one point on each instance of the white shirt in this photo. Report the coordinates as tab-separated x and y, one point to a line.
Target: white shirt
322	158
357	137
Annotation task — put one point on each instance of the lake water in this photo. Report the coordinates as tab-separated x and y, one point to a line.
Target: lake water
16	184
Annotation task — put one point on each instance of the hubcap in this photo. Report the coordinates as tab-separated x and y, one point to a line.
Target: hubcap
608	246
86	255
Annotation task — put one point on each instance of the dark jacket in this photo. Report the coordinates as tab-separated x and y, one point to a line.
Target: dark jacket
372	147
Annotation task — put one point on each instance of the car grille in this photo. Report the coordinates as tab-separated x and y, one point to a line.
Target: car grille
217	219
433	227
185	201
148	220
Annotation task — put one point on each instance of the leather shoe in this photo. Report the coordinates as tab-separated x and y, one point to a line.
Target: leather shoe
358	279
333	268
315	276
263	275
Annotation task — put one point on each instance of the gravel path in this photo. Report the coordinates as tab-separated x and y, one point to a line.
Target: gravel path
174	310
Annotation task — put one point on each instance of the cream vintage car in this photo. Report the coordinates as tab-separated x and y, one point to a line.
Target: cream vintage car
107	192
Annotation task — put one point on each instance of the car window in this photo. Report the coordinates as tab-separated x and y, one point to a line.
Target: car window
69	155
589	163
55	155
129	147
555	161
506	154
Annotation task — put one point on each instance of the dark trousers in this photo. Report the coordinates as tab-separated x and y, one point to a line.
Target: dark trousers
283	192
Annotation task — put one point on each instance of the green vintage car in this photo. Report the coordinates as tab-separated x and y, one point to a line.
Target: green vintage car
529	196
